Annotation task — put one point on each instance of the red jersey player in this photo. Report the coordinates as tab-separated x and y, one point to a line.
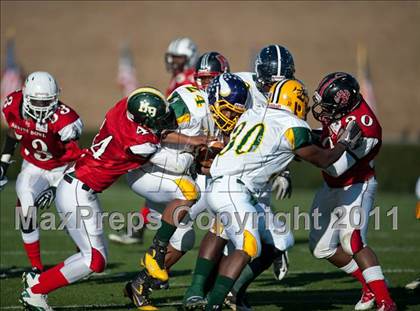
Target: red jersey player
47	131
180	60
128	137
345	200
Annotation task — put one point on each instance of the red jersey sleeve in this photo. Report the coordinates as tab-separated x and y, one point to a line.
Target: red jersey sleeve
113	150
11	107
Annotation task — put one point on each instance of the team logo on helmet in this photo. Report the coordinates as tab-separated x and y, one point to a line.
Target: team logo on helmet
342	97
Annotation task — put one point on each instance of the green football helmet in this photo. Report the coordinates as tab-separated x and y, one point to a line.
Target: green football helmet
147	106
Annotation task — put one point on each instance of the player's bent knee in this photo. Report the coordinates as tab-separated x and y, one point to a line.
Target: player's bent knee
97	262
352	242
322	253
188	241
251	245
189	189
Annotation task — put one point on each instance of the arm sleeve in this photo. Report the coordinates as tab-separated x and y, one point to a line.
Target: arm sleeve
144	150
298	137
71	131
182	113
350	158
173	161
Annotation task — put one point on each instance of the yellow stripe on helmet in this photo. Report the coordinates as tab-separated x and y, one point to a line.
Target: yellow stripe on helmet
147	90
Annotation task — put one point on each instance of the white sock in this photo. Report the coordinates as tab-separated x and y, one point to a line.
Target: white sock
350	267
31	237
373	274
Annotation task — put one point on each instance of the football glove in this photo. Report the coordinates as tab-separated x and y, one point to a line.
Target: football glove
45	198
282	184
350	135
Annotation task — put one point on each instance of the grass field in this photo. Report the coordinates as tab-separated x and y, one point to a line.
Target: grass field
310	285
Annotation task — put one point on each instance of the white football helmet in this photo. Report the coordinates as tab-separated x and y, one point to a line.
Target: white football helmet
40	96
181	47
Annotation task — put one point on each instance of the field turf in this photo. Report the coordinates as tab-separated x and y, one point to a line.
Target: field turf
310	285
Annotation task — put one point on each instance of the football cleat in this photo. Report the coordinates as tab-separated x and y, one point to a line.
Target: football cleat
126	239
237	303
413	285
154	262
194	303
30	278
34	302
366	302
138	292
280	265
386	306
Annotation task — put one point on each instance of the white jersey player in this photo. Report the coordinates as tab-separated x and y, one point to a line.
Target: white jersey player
161	183
261	145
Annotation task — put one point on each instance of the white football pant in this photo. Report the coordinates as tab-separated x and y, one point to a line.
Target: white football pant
231	202
30	182
83	212
159	188
343	220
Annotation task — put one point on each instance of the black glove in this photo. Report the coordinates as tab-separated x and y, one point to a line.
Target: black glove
45	198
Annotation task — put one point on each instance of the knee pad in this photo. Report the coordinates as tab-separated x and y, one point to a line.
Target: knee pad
97	261
320	252
250	245
188	188
351	242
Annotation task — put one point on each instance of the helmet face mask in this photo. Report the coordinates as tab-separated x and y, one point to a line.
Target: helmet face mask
203	79
175	63
274	63
209	66
226	115
40	96
336	95
181	54
227	98
290	95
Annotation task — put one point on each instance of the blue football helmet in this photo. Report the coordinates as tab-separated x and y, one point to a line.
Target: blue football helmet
227	95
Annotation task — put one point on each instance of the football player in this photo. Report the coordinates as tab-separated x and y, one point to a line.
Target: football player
180	60
163	186
348	193
128	138
47	131
273	63
261	145
192	113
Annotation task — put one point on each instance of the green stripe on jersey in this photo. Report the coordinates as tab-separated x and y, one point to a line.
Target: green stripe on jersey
298	137
181	110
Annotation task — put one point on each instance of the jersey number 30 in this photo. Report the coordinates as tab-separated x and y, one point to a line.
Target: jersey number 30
244	142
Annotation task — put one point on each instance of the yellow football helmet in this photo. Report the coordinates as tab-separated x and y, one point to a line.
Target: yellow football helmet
290	95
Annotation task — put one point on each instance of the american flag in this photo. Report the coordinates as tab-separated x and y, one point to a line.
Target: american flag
11	79
126	79
364	77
